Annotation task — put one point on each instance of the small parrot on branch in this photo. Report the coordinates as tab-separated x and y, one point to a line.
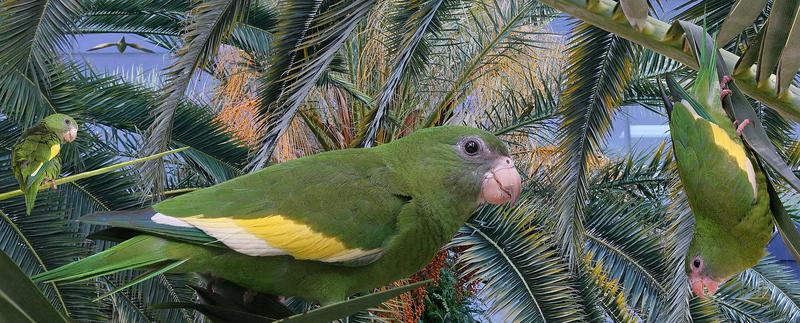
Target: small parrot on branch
724	183
34	157
321	227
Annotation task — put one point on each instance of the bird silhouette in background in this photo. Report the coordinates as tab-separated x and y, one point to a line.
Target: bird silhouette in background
121	46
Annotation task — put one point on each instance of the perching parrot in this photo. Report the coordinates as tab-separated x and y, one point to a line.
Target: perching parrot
34	157
723	182
321	227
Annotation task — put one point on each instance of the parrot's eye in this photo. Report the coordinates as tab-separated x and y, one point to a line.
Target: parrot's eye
697	262
66	121
471	147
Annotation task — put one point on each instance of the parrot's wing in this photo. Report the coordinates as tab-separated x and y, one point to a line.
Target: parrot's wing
701	146
101	46
33	152
337	207
34	155
139	47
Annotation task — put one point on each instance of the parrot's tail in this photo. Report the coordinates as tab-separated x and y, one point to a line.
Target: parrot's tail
30	198
154	254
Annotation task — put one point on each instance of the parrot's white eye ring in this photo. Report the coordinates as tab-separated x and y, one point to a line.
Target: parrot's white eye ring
472	147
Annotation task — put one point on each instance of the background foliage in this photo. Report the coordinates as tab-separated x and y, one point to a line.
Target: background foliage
594	238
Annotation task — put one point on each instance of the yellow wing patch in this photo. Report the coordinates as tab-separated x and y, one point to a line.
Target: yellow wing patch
736	150
733	148
54	150
277	235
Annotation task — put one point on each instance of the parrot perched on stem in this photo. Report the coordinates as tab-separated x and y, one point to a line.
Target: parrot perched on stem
725	185
34	157
321	227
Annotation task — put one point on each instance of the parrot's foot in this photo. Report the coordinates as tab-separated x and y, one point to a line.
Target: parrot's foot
724	86
51	183
725	80
724	93
740	126
248	296
211	281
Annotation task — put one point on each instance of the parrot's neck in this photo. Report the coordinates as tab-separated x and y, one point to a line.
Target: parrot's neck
418	241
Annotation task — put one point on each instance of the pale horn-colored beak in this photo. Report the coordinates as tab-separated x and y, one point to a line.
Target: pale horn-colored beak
502	183
71	134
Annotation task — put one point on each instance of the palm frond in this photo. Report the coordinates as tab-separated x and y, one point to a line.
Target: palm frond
21	98
629	249
32	33
504	32
309	33
780	286
678	235
532	110
164	18
518	264
600	70
125	107
414	23
600	291
210	22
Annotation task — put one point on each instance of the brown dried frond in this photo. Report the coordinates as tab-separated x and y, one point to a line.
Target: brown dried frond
237	96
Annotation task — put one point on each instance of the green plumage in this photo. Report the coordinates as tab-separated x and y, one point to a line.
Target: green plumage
405	199
733	223
35	154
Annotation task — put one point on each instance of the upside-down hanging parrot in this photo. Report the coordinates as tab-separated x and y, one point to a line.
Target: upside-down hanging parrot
321	227
723	181
34	157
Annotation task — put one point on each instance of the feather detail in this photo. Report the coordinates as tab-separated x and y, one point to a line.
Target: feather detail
277	235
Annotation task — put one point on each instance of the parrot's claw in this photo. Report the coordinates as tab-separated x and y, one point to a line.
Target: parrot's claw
724	93
211	281
248	296
51	183
725	80
740	126
724	86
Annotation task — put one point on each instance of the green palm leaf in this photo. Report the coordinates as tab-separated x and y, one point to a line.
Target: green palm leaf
518	264
210	22
414	23
32	33
20	300
21	97
504	30
780	286
600	70
308	35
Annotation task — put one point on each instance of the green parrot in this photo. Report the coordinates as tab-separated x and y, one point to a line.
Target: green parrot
321	227
34	157
722	179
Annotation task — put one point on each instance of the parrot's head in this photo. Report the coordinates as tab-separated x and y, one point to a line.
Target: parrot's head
468	163
63	125
713	258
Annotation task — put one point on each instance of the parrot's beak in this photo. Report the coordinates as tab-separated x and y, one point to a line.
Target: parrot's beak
71	134
502	183
700	284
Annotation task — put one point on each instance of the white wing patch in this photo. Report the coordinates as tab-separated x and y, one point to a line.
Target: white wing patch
168	220
38	168
273	235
